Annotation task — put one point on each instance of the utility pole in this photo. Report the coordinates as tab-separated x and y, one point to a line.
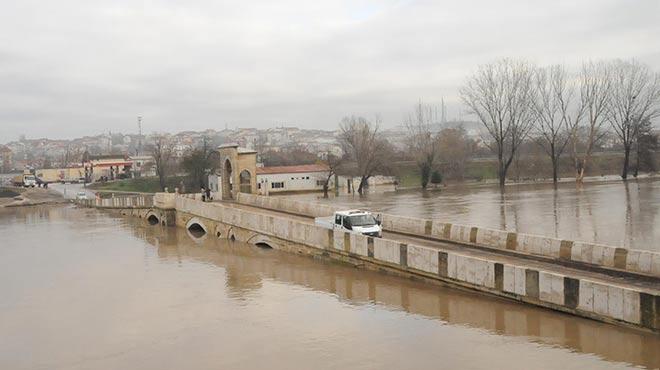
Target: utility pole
139	122
444	111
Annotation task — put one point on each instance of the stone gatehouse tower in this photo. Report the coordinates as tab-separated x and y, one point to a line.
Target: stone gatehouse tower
238	171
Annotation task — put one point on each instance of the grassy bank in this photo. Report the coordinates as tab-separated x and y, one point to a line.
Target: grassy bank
138	185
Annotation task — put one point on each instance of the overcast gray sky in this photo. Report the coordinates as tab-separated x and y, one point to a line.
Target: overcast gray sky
78	67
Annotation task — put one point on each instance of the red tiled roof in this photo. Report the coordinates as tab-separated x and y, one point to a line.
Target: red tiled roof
109	164
292	169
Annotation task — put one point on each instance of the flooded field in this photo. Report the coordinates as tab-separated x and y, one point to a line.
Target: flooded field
613	213
81	289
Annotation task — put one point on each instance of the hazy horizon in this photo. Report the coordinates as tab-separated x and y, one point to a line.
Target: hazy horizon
75	68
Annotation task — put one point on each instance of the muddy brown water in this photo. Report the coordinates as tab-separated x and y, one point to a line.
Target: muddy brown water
83	289
613	213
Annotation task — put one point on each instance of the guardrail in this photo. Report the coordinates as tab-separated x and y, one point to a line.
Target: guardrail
135	201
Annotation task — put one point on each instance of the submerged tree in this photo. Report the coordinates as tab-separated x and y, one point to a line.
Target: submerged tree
553	98
586	121
333	163
455	148
646	144
635	98
500	95
421	141
361	141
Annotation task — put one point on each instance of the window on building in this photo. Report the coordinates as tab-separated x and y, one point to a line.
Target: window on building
320	182
277	185
307	178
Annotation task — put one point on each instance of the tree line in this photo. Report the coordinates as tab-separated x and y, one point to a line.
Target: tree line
562	112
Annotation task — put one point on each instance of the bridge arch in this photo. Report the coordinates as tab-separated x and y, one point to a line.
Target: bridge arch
263	241
152	218
196	227
231	236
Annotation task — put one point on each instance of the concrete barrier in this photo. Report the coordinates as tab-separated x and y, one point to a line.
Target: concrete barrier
638	261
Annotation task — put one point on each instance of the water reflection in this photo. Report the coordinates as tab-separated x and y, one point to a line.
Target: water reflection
84	290
614	213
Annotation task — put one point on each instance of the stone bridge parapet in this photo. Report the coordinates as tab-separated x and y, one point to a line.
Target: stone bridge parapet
563	251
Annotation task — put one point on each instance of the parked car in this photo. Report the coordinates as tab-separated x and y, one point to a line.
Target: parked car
81	195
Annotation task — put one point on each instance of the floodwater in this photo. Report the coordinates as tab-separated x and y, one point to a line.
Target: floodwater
81	289
613	213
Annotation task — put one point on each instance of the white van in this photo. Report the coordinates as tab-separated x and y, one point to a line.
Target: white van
355	221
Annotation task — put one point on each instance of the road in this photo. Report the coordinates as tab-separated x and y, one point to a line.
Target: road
644	283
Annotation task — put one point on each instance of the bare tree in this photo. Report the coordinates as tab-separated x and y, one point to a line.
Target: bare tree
500	95
635	97
361	143
553	99
162	153
589	115
646	144
334	163
455	148
422	143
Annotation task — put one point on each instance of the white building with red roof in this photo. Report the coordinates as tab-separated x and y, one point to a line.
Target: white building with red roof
286	179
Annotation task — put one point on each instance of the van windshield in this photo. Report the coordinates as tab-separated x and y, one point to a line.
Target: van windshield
362	220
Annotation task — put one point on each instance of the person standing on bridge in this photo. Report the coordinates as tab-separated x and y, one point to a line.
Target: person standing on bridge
203	195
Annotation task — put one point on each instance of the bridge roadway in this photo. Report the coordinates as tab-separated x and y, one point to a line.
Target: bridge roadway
624	279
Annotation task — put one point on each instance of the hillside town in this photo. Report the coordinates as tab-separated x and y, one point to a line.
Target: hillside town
47	153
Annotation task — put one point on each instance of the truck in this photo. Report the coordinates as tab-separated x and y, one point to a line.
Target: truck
25	180
354	221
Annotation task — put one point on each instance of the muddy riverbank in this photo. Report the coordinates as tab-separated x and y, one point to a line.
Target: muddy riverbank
17	197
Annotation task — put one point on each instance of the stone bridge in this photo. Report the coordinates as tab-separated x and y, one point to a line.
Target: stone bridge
604	283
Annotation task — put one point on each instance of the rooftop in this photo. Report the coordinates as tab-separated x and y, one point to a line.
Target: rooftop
292	169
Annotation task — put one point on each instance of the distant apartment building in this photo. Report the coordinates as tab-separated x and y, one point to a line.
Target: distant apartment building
6	155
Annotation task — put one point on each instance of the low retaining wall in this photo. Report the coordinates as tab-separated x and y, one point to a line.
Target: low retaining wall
604	256
602	301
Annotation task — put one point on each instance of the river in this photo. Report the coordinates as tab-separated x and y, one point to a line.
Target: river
82	289
613	213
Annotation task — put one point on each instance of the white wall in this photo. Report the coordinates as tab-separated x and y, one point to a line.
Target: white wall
303	181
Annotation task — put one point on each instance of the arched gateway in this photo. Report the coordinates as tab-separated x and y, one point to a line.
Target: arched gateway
237	165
